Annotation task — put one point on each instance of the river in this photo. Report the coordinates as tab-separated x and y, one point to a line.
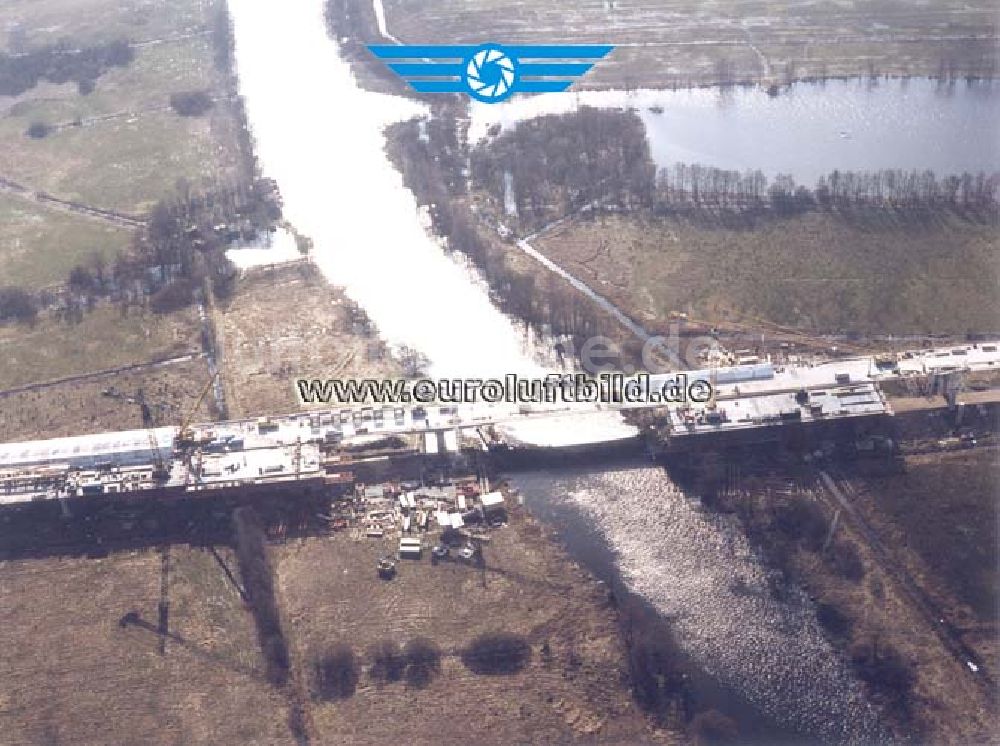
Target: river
760	653
320	137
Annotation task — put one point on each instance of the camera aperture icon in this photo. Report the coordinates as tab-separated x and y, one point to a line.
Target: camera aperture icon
490	74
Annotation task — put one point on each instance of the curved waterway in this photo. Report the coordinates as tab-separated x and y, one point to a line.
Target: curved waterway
321	138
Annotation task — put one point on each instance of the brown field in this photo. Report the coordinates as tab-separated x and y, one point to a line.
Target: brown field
528	588
946	703
75	674
818	272
72	675
940	518
43	356
73	408
284	324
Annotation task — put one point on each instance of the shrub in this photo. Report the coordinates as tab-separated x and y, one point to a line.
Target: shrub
423	661
17	304
81	279
833	620
177	294
38	130
656	670
712	727
388	661
191	103
885	670
802	520
335	675
497	653
844	558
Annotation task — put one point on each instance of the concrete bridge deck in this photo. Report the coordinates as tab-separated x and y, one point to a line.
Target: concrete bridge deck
285	448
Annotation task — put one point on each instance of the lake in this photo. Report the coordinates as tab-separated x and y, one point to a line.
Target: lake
806	130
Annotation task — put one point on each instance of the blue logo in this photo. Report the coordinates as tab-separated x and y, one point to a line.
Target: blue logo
490	73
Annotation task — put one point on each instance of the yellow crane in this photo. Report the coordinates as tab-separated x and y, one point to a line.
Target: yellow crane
185	436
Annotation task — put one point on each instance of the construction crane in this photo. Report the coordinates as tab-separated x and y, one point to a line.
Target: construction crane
185	435
149	421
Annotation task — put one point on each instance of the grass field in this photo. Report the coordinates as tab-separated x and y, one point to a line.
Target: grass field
662	42
952	530
45	22
121	147
818	272
571	692
125	162
40	245
104	339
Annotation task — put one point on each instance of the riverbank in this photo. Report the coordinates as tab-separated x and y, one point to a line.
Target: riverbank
751	642
893	618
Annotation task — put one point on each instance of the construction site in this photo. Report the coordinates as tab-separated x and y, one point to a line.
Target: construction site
375	501
322	455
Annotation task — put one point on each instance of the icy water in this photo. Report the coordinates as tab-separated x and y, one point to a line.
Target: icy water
807	130
320	137
765	659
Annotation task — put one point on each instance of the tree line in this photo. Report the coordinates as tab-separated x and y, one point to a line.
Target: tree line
178	256
557	164
60	64
697	186
182	248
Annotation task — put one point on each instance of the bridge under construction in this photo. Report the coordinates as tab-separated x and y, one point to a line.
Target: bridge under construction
324	452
